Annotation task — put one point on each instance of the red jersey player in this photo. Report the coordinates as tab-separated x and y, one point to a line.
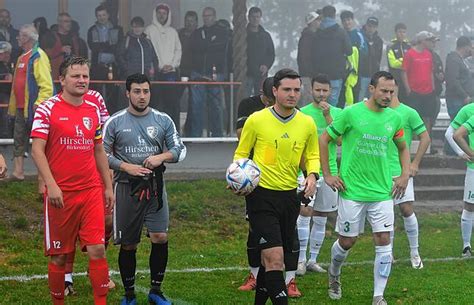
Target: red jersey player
68	152
96	98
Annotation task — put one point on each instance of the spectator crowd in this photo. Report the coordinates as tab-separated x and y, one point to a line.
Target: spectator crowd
346	53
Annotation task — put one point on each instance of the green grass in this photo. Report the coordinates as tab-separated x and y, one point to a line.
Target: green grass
208	230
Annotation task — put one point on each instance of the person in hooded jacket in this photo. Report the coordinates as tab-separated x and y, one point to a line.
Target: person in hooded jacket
330	50
167	44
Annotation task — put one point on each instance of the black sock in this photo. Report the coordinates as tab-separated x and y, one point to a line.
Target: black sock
261	295
291	260
127	264
275	284
253	252
158	262
253	256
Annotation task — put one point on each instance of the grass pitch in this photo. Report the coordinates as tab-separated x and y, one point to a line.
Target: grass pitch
208	231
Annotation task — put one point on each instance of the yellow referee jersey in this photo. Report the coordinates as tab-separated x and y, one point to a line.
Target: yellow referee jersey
278	145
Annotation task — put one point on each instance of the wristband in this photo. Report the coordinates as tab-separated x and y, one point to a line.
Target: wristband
316	176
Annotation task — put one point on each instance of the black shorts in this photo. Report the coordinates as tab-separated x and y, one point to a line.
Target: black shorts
130	214
272	216
427	105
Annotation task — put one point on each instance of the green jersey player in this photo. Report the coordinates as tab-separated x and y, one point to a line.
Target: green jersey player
365	180
412	123
325	201
462	121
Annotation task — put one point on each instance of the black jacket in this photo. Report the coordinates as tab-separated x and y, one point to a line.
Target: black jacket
115	38
136	55
260	51
210	47
459	80
305	57
330	50
186	64
370	63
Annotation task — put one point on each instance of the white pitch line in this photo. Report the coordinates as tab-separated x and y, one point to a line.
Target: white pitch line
27	278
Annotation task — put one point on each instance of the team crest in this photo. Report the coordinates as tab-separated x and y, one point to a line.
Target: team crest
389	127
152	131
87	122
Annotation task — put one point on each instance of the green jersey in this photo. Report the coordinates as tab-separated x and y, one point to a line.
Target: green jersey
365	166
469	125
411	122
317	114
462	117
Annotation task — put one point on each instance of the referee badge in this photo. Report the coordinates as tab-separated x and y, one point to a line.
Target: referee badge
87	122
152	131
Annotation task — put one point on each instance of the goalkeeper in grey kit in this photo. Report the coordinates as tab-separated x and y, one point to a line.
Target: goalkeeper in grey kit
135	140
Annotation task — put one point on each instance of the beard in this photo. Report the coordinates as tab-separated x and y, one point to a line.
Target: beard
384	103
317	100
136	108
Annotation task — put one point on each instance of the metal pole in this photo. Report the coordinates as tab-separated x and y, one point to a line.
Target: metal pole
231	112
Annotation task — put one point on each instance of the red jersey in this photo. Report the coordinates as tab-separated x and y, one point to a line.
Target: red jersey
71	133
19	80
96	98
419	69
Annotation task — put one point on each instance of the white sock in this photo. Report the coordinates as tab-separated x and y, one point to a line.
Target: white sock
254	271
382	267
68	277
338	256
466	227
318	232
289	275
303	234
411	228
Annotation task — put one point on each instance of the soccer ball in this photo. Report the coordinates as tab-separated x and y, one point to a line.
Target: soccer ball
243	175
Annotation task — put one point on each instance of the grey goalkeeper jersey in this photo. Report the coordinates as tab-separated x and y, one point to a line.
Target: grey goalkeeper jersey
130	138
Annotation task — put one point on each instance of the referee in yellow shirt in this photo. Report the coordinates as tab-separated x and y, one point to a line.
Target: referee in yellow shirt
280	137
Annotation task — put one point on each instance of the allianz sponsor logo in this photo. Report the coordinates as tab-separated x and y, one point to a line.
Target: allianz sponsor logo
369	136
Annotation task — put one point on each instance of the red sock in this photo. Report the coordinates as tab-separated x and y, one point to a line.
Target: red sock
56	283
99	277
70	261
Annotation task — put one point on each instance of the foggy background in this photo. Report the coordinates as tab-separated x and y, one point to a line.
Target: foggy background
284	19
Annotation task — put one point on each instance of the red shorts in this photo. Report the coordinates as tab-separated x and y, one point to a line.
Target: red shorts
82	217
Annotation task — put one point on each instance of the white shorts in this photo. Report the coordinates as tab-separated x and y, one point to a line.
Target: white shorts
325	199
301	188
469	186
352	214
409	194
